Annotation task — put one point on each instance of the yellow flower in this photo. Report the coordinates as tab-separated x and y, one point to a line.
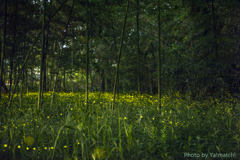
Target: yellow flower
141	116
27	148
5	145
29	140
19	146
65	146
125	117
152	118
47	116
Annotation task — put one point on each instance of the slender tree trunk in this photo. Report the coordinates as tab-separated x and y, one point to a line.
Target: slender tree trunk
87	57
32	77
3	45
159	58
215	32
45	63
138	55
40	93
92	79
56	81
64	80
27	80
118	62
52	68
46	75
4	72
150	80
106	84
115	46
21	85
103	82
72	61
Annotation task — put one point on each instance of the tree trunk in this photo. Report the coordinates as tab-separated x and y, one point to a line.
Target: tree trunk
40	93
150	80
3	45
13	48
103	82
72	61
159	58
27	81
138	56
118	62
45	63
106	84
64	78
87	58
215	32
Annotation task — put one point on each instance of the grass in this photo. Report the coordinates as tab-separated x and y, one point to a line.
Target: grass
183	130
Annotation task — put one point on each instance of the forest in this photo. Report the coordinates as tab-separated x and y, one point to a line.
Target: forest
119	79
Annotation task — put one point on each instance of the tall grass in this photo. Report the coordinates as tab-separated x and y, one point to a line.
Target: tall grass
183	130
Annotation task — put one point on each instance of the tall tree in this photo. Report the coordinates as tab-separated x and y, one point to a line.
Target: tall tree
40	93
215	31
3	46
119	56
13	46
159	57
87	56
138	54
72	58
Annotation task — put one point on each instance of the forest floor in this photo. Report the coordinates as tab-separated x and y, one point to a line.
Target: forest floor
182	129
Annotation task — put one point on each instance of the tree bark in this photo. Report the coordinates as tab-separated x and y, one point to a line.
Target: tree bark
3	46
119	56
138	55
40	93
87	58
159	58
72	60
215	32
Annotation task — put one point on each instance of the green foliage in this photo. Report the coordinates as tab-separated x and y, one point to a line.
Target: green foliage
184	126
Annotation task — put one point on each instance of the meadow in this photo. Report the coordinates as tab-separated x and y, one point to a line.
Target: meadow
184	129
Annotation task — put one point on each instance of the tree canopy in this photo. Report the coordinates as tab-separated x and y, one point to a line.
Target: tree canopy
200	45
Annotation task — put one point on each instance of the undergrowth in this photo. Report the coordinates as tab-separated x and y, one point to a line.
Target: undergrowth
182	129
